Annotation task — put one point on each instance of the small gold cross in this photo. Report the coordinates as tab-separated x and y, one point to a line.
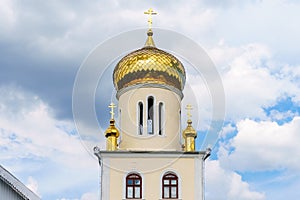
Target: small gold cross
150	12
112	106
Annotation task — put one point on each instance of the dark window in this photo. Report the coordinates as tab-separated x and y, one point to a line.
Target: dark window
160	118
170	186
140	118
133	186
150	118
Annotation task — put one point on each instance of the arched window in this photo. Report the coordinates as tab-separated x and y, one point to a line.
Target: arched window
140	118
133	186
160	118
170	186
150	117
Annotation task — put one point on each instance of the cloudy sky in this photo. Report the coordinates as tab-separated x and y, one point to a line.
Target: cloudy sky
254	45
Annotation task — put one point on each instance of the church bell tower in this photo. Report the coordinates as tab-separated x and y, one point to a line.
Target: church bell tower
146	158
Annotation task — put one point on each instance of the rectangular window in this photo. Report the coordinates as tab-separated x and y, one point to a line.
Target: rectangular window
149	126
129	192
137	192
173	192
166	192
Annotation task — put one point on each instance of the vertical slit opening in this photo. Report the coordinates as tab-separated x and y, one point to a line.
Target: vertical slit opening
160	118
150	118
140	118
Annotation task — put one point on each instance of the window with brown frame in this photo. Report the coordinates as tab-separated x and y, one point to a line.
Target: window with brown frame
170	186
133	186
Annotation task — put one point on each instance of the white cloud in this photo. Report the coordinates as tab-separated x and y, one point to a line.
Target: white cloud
62	30
262	146
197	94
7	15
85	196
189	20
30	135
27	123
227	130
32	184
90	196
251	79
224	184
277	115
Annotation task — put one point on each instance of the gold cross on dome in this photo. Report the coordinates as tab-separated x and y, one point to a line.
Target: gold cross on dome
112	106
189	108
150	12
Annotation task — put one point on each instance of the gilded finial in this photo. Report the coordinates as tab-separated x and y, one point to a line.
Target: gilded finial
112	132
112	113
189	133
150	12
149	41
189	107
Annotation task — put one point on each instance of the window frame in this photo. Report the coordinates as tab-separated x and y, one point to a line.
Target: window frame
170	177
134	177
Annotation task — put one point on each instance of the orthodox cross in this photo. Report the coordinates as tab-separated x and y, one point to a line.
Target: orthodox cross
150	12
112	106
189	108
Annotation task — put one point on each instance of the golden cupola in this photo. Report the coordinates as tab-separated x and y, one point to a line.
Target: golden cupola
149	65
112	133
189	134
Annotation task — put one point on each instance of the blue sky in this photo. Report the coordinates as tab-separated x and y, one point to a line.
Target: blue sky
253	44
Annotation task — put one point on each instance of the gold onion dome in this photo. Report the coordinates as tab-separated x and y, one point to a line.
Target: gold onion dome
189	131
149	65
112	130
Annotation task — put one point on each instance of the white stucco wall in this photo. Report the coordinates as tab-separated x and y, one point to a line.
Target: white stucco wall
151	167
128	104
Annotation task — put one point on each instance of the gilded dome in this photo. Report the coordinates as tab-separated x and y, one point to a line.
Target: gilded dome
189	131
149	65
